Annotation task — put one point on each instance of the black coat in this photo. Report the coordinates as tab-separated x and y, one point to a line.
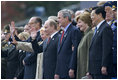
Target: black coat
49	56
100	52
31	61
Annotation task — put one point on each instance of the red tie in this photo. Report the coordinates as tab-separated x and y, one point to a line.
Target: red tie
49	39
62	37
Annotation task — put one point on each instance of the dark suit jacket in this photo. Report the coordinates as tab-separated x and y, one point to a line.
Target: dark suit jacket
66	58
33	57
49	56
100	52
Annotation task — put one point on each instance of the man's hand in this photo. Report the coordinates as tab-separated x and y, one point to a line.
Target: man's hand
12	27
104	70
33	34
56	76
23	62
14	42
71	73
88	75
15	77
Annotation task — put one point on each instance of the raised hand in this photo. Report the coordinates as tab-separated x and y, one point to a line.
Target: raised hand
13	24
14	41
33	34
13	38
12	27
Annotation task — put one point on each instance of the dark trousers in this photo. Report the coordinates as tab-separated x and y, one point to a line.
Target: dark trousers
100	76
66	77
114	71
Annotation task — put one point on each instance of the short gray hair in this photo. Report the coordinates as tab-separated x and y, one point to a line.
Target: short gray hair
55	18
52	23
66	13
71	12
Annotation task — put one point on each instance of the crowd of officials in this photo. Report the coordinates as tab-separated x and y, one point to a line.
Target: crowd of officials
80	45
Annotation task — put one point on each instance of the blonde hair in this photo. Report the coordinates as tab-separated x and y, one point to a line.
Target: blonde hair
19	29
101	3
42	29
85	17
24	35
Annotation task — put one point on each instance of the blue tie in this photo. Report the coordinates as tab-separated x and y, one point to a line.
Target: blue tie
95	31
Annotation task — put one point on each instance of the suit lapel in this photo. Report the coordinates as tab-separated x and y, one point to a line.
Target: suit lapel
45	45
48	45
59	43
51	41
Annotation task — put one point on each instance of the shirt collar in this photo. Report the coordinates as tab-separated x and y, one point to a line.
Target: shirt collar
65	29
53	34
100	24
109	22
38	30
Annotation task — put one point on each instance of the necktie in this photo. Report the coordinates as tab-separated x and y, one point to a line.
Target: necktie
95	31
62	37
49	40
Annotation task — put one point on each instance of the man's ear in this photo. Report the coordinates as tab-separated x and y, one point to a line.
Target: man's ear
52	26
38	24
100	14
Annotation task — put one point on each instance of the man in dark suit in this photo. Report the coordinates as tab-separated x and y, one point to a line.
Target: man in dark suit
70	38
100	52
50	51
35	23
30	60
